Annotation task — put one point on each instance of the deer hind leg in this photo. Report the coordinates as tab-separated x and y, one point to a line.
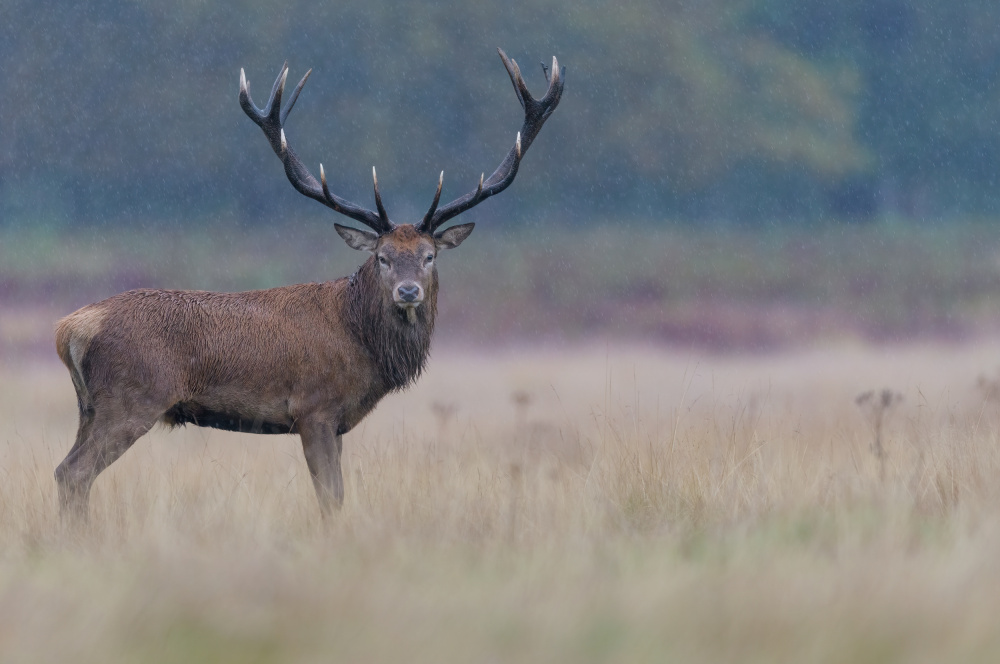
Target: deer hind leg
106	432
322	447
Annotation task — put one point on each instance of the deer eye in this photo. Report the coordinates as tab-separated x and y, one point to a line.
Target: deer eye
383	261
429	258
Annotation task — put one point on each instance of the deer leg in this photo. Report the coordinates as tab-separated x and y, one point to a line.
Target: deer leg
100	440
83	431
322	447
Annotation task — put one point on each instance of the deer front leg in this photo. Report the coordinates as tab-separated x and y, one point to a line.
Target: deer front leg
322	447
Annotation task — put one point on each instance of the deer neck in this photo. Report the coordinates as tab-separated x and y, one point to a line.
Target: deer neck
396	340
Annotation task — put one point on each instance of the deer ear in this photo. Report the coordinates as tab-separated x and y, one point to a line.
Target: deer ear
357	238
450	238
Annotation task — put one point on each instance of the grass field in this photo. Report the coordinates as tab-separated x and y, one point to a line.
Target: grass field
589	503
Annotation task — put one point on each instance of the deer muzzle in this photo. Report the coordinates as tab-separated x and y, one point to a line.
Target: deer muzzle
408	294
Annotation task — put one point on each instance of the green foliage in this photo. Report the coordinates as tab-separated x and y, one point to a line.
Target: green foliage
928	102
724	108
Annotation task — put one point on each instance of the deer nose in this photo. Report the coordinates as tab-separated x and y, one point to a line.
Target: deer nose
408	292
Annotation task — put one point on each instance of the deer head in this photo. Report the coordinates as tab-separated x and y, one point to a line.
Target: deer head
405	253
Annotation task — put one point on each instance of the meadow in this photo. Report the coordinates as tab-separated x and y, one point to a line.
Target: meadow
590	504
565	492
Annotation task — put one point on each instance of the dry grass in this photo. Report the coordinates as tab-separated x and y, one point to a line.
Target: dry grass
595	504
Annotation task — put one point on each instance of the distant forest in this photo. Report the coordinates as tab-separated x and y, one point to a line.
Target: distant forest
693	111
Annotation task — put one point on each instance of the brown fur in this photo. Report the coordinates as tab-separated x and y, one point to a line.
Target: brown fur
311	359
397	348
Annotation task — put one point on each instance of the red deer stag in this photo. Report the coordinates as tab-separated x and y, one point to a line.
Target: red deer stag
311	359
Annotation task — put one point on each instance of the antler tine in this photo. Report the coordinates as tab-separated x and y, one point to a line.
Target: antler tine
271	119
244	86
437	198
378	202
295	96
536	111
557	75
245	102
515	77
274	101
330	198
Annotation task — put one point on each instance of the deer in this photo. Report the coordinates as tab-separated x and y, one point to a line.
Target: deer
308	359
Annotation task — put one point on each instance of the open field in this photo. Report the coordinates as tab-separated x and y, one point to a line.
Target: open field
591	504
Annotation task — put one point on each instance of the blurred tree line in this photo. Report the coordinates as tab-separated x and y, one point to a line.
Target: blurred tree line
741	111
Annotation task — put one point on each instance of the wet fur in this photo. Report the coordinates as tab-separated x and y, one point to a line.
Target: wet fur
397	347
312	359
243	339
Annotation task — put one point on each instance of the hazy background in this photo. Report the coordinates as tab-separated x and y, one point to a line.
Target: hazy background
714	380
730	174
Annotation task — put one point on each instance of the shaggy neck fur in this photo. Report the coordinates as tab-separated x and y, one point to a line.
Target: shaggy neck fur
398	347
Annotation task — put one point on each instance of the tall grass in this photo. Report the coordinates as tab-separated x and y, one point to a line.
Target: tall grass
592	504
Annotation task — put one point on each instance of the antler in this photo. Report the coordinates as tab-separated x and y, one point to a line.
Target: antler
272	120
536	111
